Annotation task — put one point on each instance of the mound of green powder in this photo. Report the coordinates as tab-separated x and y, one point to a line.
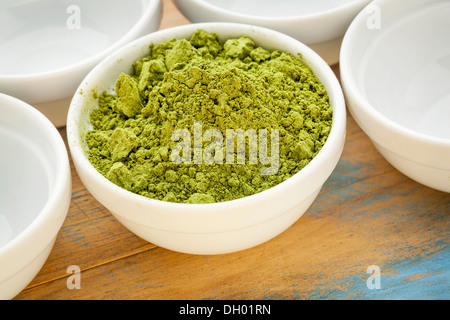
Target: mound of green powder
201	84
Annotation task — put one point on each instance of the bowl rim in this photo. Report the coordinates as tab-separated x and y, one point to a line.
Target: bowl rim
254	18
353	89
310	57
61	179
146	13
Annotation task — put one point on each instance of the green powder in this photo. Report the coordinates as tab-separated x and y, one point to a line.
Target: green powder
197	89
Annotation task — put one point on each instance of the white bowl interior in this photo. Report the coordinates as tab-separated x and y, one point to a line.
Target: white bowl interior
403	66
280	8
45	35
27	170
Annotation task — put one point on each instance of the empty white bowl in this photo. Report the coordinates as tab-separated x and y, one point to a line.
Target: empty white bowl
395	71
206	228
35	192
319	24
48	47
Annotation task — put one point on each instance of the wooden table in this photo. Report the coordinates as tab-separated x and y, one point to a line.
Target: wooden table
367	214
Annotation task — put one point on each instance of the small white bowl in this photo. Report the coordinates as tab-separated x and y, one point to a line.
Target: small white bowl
395	71
35	192
206	228
318	24
48	47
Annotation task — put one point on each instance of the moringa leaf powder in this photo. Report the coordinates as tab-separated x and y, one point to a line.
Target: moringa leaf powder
201	121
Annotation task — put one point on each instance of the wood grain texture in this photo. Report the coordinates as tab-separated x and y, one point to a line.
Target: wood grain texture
366	214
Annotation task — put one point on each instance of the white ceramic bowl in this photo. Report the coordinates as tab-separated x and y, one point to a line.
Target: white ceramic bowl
395	71
206	228
35	192
319	24
48	47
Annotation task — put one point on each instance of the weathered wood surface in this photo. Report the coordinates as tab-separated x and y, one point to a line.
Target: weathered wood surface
366	214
